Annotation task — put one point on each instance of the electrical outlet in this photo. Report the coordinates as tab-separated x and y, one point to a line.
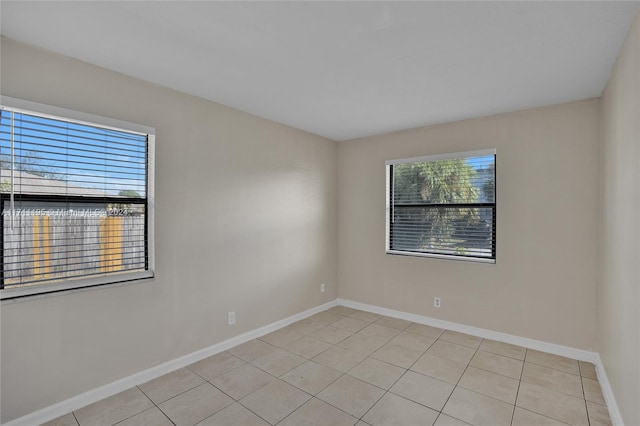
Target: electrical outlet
322	288
436	302
231	318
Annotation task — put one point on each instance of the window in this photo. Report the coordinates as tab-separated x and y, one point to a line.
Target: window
76	200
443	206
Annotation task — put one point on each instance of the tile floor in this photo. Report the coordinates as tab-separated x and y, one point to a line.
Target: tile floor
349	367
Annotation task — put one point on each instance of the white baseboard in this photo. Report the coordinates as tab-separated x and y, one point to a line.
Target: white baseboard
54	411
476	331
61	408
552	348
607	392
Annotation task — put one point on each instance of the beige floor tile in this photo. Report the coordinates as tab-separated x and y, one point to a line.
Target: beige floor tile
424	330
377	373
393	410
318	413
592	391
478	409
350	324
444	420
598	414
278	362
339	359
522	417
235	414
341	310
114	409
587	370
504	349
553	361
307	347
66	420
413	341
331	335
396	323
491	384
397	355
242	381
326	316
170	385
307	326
351	395
454	352
423	389
365	316
498	364
151	417
552	379
216	365
439	368
461	339
473	381
281	338
195	405
311	377
380	332
253	349
275	401
557	405
363	345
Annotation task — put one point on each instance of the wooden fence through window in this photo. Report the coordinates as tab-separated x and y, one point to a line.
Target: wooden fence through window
42	248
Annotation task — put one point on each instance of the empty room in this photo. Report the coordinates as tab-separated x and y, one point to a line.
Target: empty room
365	213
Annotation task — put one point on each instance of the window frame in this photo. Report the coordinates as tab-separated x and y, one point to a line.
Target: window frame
115	278
389	205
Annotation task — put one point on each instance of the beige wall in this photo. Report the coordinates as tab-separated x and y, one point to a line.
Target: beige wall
543	285
245	221
619	292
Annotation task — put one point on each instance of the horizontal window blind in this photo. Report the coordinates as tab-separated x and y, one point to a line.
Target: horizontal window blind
443	206
74	200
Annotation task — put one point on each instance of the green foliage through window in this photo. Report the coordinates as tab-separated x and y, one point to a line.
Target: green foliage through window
443	206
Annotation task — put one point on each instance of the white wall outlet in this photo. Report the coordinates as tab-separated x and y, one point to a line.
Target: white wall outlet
436	302
322	288
231	318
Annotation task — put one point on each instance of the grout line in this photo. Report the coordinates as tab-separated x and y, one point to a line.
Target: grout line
133	415
494	372
586	407
386	391
238	401
553	368
157	405
152	401
374	404
462	375
284	381
555	390
251	411
404	374
518	391
165	414
505	356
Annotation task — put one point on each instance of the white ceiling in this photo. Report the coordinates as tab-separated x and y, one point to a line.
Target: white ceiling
344	69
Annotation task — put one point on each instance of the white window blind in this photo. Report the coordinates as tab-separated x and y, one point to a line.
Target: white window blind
75	200
443	206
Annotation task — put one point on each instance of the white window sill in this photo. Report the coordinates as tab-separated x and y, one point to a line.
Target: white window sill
9	295
441	256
